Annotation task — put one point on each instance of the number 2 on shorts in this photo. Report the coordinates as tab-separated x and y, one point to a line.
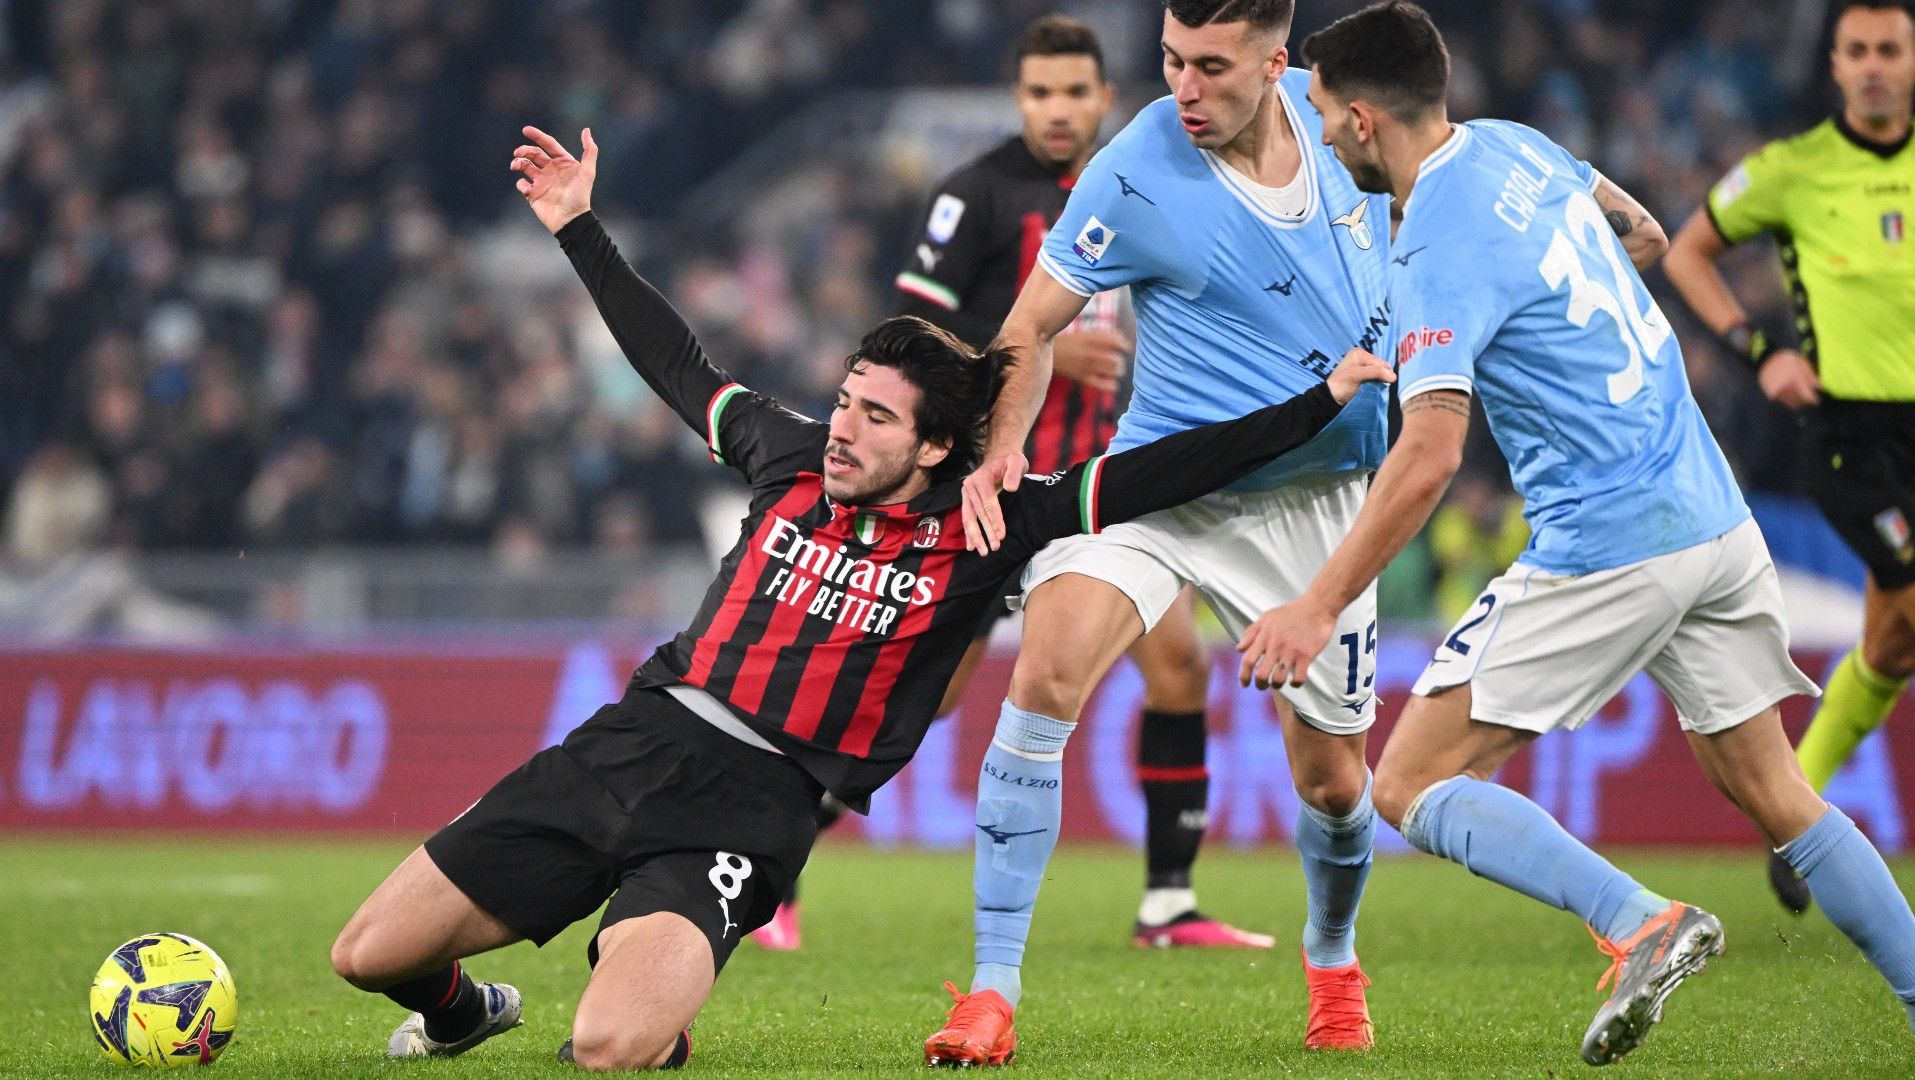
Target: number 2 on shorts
1456	644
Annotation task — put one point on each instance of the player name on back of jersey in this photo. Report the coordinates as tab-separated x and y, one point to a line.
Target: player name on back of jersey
830	584
1516	206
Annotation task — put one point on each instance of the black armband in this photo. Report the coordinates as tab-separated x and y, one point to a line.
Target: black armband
1751	344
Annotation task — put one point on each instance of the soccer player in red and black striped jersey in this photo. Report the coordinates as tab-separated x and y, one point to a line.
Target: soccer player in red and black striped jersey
815	664
980	242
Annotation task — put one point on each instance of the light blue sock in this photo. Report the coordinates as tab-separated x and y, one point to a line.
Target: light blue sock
1855	890
1336	862
1020	804
1498	834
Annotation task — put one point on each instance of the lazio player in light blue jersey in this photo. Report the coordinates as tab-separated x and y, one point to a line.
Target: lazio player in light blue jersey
1254	263
1240	297
1512	282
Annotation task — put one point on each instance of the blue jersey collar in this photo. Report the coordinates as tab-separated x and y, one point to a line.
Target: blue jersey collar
1234	181
1441	156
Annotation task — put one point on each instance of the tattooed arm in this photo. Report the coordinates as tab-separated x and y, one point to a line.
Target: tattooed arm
1642	237
1280	645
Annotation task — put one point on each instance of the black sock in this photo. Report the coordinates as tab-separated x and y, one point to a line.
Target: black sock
1170	766
450	1003
828	812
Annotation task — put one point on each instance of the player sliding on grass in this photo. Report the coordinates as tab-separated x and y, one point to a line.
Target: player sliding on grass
1510	284
815	664
974	250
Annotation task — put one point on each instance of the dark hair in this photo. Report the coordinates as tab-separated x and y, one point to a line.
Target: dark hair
1843	7
957	385
1260	14
1058	35
1390	53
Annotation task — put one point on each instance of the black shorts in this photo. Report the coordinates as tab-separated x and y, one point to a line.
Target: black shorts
1861	472
648	805
1000	608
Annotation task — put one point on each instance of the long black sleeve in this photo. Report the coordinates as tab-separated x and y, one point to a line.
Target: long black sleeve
1168	472
740	428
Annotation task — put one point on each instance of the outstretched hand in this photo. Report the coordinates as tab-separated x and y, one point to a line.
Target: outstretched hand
1280	646
557	185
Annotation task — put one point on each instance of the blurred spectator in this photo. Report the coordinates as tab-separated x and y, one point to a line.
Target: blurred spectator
264	279
60	507
1474	536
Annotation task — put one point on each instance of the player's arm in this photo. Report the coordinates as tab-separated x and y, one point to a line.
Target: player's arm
946	259
739	427
1042	311
1641	234
1739	207
1281	644
1178	468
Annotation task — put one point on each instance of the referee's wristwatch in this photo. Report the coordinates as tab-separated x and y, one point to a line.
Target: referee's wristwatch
1751	343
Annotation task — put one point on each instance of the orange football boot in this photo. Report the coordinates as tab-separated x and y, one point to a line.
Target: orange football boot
1339	1015
978	1031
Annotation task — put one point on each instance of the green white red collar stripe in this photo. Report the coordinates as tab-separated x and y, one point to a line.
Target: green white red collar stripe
1087	494
713	414
925	288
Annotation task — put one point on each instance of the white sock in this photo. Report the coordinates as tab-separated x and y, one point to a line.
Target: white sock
1162	905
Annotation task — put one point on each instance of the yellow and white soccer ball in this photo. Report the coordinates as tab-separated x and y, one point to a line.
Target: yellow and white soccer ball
163	999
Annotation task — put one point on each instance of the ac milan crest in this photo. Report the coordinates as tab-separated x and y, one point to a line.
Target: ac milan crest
926	535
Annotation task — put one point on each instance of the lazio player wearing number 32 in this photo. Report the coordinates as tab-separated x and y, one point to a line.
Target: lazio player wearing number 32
1510	284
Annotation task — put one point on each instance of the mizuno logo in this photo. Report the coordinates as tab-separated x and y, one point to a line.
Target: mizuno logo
929	257
1404	259
1283	287
1124	186
1006	837
724	908
1357	706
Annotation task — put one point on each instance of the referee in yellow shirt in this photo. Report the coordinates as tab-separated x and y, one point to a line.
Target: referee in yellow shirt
1839	199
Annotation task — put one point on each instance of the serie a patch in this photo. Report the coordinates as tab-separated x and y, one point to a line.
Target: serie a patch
1892	226
1093	241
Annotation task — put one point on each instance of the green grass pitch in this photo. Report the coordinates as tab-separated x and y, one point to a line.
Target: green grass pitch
1470	980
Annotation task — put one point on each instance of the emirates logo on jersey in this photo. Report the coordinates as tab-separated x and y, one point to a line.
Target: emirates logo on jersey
832	584
927	532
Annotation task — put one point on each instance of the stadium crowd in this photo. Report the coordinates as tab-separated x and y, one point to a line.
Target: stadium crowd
263	275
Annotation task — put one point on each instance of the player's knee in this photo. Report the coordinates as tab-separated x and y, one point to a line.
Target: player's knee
1179	682
605	1047
1049	685
1393	792
1337	793
1891	655
353	960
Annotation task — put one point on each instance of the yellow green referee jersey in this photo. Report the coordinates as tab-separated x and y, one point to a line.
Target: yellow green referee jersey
1838	206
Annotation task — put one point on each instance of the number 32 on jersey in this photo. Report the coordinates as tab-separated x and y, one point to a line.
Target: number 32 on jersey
1643	331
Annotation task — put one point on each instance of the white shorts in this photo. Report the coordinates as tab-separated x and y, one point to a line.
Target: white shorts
1247	552
1542	651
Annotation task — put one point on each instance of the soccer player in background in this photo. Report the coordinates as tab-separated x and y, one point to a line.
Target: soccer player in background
1838	198
1253	261
980	243
1513	283
815	664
